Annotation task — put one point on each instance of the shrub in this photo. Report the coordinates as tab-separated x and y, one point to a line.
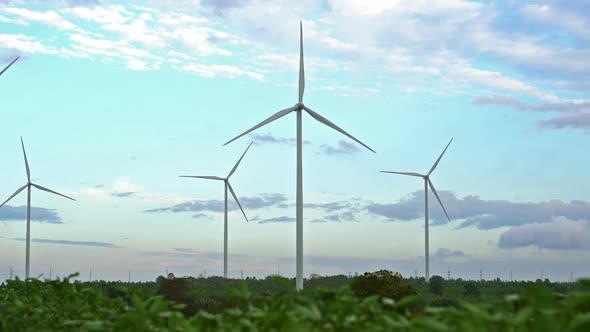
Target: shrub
470	289
436	284
175	289
383	283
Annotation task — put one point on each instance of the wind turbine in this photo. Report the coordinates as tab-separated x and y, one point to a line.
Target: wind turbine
10	64
231	190
299	107
427	183
28	185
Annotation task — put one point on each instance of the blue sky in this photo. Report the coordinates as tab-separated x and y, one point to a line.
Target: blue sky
115	100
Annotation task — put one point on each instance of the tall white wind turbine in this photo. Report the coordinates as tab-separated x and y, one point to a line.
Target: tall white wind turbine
298	108
231	190
427	183
10	64
28	185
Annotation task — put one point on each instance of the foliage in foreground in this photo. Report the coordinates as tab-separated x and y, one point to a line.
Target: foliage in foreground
59	305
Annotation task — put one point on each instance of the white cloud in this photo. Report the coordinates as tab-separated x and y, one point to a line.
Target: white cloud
423	40
114	14
219	70
498	80
4	19
25	44
420	7
50	18
135	58
124	187
573	22
137	31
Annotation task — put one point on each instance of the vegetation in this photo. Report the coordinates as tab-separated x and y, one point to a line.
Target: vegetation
382	283
62	305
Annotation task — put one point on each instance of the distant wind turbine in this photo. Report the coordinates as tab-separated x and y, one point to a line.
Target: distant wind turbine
10	64
427	183
231	190
28	185
299	107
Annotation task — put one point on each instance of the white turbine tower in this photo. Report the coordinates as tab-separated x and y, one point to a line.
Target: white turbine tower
298	108
231	190
10	64
28	185
427	183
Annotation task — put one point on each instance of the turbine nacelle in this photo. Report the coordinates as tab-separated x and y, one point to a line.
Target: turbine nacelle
298	107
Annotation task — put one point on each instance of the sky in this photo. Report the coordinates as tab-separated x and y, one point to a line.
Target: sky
114	100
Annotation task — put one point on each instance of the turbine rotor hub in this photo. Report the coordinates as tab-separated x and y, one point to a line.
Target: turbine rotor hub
298	106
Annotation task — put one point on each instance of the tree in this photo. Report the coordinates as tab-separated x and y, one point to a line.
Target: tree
436	284
470	289
383	283
175	289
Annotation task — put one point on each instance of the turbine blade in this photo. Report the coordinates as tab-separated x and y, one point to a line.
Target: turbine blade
327	122
10	64
438	198
270	119
50	191
405	173
439	157
202	177
231	190
26	161
239	160
301	70
15	193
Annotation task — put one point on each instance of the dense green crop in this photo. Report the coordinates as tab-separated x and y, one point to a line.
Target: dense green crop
60	305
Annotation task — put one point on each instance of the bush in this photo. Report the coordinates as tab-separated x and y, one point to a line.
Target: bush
175	289
470	290
383	283
436	285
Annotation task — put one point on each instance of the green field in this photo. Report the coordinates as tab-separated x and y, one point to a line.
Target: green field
335	303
